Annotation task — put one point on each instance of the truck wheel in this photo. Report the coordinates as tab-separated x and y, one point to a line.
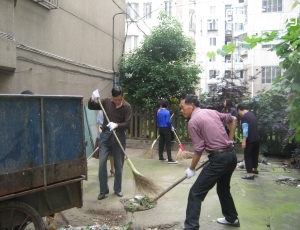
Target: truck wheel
15	215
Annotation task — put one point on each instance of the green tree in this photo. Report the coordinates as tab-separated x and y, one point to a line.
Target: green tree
162	67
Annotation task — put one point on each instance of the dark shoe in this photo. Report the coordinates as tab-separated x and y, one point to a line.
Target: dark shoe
236	223
248	177
101	196
255	172
162	159
172	162
119	194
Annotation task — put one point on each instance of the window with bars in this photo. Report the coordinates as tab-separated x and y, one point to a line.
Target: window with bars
212	41
269	73
132	11
212	24
147	10
168	8
271	6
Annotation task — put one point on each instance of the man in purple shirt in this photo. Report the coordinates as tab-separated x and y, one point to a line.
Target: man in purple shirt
206	129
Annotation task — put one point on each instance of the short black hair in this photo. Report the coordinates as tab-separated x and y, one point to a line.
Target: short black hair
27	92
191	99
241	106
164	103
117	91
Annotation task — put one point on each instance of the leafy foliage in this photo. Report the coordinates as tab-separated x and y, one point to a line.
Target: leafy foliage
163	67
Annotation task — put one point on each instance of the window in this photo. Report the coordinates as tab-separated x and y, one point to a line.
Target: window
147	10
269	73
168	8
132	11
192	24
212	41
238	26
212	73
271	6
212	10
213	59
49	4
239	73
212	24
131	42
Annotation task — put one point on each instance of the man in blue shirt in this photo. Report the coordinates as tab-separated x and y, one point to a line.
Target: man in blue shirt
165	127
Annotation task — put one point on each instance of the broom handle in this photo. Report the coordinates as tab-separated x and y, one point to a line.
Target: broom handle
178	182
177	137
93	153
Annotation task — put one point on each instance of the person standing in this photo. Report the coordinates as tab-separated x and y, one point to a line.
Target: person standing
165	128
251	139
228	108
119	113
205	127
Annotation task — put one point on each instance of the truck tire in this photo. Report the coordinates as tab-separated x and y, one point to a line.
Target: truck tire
15	215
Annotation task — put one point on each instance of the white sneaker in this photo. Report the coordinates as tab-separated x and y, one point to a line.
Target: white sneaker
236	223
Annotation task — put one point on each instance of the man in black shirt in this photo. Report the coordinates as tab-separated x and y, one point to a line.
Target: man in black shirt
250	142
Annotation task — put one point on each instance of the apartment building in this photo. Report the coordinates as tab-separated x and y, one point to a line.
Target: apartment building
211	24
143	15
67	47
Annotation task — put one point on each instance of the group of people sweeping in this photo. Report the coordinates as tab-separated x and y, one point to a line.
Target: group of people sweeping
207	132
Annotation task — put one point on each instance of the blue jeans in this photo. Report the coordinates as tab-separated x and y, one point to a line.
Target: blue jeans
219	172
107	144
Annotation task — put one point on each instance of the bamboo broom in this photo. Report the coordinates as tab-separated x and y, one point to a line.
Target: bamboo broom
182	153
143	184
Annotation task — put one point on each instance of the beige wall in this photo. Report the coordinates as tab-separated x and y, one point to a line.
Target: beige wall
65	51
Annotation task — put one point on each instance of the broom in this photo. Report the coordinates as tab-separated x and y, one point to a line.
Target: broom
150	152
142	183
182	154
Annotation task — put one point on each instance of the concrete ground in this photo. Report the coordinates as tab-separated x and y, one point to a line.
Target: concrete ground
261	203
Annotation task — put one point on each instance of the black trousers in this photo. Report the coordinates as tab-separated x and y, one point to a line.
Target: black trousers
164	139
251	153
219	172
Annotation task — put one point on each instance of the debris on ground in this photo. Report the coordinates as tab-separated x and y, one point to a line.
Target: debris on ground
288	181
138	203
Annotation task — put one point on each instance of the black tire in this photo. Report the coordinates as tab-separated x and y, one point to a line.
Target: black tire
15	215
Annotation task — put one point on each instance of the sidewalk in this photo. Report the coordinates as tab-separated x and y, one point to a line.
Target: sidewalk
261	203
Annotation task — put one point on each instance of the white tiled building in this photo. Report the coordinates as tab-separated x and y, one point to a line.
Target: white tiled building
211	24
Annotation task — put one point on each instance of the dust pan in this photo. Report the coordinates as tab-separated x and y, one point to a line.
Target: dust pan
142	203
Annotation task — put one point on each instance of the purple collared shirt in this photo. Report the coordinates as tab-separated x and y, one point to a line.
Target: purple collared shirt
207	131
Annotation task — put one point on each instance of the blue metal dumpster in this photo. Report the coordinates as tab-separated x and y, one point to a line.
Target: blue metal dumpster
42	152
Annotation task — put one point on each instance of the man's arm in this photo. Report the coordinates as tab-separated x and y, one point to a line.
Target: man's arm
194	162
232	127
127	119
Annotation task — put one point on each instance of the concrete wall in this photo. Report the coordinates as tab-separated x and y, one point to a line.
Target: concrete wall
65	51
